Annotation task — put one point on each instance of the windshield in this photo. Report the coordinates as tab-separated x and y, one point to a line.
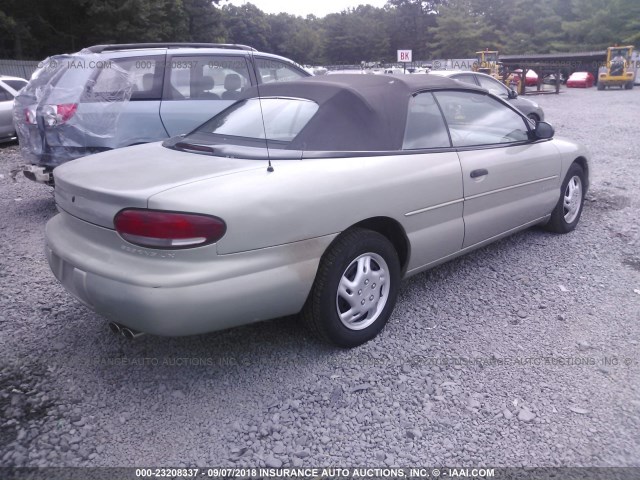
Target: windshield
489	57
284	118
619	54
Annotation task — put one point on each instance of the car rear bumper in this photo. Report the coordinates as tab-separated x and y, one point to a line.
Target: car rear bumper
55	146
58	155
152	292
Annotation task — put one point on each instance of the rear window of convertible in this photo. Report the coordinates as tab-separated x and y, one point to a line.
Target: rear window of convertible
278	119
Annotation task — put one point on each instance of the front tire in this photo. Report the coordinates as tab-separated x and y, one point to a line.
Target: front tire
566	214
355	289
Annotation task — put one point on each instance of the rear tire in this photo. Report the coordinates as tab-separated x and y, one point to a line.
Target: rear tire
600	86
355	289
534	117
566	214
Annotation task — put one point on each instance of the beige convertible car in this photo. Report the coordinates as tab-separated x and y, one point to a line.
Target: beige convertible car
316	196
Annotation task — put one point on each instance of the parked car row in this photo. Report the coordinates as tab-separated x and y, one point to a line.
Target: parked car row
575	80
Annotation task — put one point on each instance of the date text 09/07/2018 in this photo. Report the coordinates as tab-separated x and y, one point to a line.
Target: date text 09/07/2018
315	472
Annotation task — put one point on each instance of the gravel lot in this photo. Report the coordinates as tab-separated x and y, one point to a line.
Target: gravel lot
73	394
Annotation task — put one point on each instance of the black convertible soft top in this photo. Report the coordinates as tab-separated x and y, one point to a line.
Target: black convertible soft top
356	112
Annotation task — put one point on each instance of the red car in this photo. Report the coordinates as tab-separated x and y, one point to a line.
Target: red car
580	80
530	79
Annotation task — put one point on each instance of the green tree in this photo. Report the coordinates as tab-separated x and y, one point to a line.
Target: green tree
602	23
283	27
203	19
461	31
431	28
532	27
7	34
411	25
39	28
295	37
246	24
356	35
305	46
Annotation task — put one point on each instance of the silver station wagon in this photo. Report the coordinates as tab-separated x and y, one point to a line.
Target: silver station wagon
316	196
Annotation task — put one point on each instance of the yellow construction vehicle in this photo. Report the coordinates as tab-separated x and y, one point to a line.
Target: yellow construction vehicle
487	62
618	71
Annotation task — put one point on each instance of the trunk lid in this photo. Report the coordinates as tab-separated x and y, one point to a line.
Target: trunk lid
95	188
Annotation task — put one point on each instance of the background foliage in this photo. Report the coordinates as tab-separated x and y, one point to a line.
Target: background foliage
34	29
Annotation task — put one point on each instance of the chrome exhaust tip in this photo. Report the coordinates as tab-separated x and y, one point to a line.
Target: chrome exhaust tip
130	334
115	328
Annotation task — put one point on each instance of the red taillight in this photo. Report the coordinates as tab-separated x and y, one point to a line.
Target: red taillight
58	114
159	229
67	110
30	115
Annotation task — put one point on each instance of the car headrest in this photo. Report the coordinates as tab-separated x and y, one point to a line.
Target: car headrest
232	82
206	83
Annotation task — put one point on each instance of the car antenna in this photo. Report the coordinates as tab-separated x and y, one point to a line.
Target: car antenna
264	126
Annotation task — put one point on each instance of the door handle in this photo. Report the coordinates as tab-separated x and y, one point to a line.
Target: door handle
479	173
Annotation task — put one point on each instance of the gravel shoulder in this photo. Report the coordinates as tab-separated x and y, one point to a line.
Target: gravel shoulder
524	353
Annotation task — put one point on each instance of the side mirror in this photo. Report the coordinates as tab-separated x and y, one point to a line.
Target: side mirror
512	94
543	131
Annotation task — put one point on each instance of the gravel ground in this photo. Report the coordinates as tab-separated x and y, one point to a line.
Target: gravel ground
469	371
